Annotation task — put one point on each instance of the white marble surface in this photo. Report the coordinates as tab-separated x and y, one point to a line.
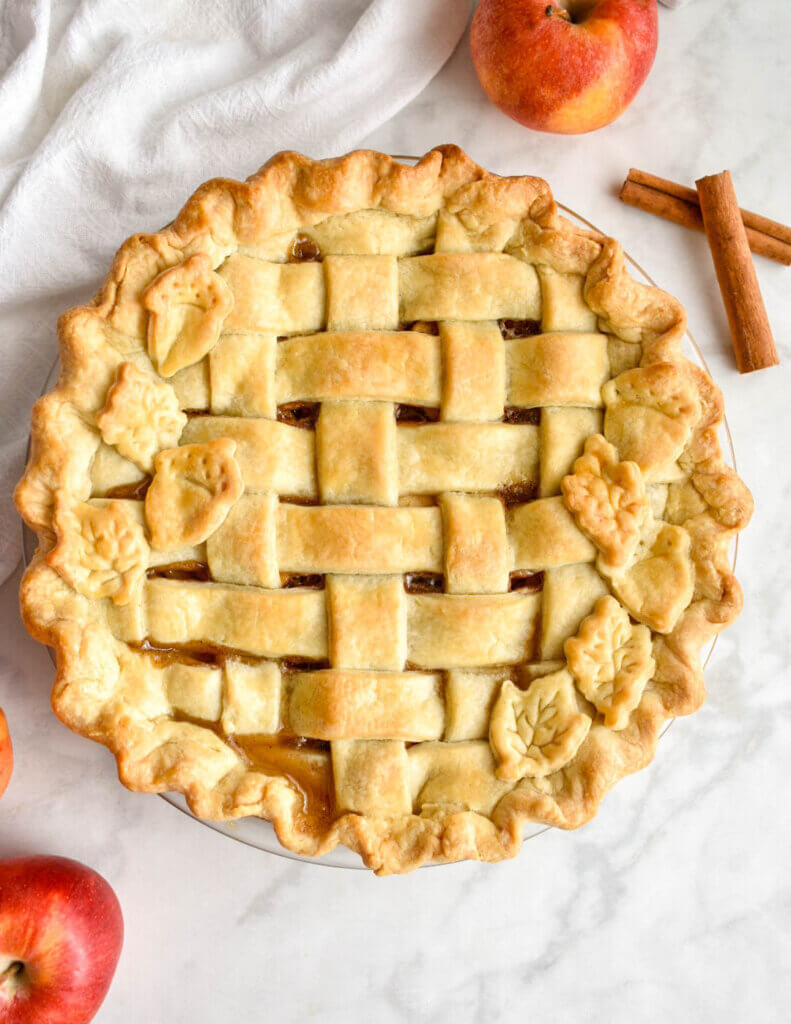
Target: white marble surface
675	903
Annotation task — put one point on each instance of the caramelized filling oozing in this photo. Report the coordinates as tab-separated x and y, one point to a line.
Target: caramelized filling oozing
424	582
515	415
511	329
297	499
130	492
415	414
204	652
293	579
198	653
517	494
304	250
530	581
285	755
299	414
190	570
297	664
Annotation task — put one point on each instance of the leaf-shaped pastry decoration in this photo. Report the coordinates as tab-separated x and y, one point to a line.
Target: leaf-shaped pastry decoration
658	584
611	661
536	731
193	488
651	412
141	416
101	550
187	305
607	499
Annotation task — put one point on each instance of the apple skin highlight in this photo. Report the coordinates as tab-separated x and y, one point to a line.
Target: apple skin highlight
61	933
6	755
552	74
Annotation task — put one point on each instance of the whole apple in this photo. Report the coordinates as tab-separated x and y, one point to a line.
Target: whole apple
61	933
6	755
565	66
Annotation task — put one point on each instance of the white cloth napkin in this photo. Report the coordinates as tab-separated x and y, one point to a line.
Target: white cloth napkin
113	112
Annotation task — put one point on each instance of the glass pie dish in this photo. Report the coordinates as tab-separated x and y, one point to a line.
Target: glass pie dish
258	833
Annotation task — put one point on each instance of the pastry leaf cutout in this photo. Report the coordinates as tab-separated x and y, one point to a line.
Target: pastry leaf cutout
607	499
193	489
141	416
658	584
650	415
101	550
611	661
187	305
537	731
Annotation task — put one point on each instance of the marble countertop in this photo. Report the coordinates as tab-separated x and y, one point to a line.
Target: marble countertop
675	902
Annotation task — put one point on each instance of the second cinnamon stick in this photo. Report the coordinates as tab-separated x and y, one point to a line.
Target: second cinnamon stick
752	336
681	206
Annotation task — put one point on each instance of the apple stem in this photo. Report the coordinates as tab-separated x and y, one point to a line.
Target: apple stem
10	976
557	12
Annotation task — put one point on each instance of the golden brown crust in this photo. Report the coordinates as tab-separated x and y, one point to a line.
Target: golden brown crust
96	671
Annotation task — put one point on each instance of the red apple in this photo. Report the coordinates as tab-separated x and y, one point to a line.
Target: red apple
565	66
6	755
61	932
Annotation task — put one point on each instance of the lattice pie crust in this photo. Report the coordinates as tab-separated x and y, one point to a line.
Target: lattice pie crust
378	501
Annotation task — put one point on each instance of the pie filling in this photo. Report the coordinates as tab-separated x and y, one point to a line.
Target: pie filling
299	414
304	250
130	492
288	756
511	329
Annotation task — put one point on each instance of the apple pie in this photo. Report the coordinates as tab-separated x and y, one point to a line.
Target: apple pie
378	501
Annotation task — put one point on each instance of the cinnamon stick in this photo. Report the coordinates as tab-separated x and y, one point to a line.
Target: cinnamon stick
681	205
750	331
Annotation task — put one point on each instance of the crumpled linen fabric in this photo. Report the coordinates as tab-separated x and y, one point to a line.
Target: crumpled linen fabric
114	111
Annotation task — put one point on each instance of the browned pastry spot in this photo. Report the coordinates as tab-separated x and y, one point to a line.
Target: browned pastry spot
415	414
528	581
299	414
518	328
189	570
130	492
513	414
517	494
292	579
304	249
424	582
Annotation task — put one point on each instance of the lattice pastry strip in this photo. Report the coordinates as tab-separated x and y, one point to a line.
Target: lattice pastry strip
473	383
442	630
362	293
357	453
367	622
371	777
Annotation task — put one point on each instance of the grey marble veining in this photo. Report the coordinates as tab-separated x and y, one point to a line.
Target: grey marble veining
675	902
